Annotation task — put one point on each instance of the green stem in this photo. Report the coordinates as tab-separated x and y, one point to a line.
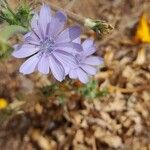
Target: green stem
2	17
10	10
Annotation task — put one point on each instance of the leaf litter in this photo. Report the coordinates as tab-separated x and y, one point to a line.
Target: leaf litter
76	118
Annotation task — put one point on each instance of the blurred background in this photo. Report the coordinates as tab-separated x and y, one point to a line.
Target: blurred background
110	112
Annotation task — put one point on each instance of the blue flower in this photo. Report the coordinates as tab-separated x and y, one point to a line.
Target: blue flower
48	46
86	63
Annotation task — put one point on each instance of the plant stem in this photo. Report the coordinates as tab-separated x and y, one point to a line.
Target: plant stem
70	4
2	17
99	26
70	14
10	10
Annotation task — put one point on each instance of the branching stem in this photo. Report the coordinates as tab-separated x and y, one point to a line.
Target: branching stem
99	26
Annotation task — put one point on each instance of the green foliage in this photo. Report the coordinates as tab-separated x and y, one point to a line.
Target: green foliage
91	91
11	110
10	30
5	114
5	34
99	26
5	50
21	17
18	23
24	15
54	90
104	92
49	90
61	99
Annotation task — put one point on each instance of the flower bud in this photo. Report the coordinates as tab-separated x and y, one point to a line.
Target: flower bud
99	26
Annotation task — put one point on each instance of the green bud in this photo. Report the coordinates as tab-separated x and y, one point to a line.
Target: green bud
99	26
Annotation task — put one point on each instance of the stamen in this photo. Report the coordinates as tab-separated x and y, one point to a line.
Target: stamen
47	46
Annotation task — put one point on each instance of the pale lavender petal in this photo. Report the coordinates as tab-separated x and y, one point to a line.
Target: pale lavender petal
25	51
57	24
65	58
45	14
89	69
56	68
88	47
35	26
31	38
70	50
44	18
93	60
42	32
69	34
67	69
43	65
17	46
73	74
34	22
29	65
69	47
77	40
27	35
87	44
83	77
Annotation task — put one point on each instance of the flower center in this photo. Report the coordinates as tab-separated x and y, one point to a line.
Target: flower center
47	46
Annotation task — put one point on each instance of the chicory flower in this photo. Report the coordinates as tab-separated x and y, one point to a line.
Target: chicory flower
48	46
86	63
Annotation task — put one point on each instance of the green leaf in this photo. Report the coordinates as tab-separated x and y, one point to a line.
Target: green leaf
5	34
9	31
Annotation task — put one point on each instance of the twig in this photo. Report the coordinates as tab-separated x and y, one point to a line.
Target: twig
128	90
99	26
70	5
70	14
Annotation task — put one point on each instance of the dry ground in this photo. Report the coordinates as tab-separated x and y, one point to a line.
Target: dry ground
119	120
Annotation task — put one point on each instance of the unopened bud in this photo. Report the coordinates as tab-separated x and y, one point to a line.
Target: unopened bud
99	26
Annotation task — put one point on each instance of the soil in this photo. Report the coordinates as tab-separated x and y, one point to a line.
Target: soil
40	119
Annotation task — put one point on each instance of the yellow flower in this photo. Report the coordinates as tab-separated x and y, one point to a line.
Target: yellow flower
143	30
3	103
